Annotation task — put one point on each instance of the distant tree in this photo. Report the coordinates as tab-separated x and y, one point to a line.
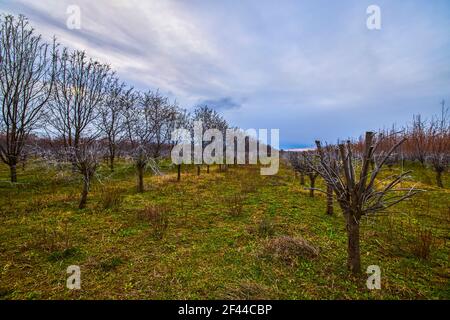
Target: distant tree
210	119
298	164
27	72
438	145
162	116
111	120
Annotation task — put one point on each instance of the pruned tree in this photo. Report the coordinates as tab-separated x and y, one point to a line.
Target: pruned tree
438	145
27	72
308	158
356	188
299	165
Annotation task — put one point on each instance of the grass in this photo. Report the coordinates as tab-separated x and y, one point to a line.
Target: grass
208	251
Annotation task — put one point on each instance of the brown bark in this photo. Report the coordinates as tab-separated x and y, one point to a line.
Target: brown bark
329	200
207	168
13	170
312	180
179	172
353	249
198	170
84	193
140	187
439	179
111	162
302	179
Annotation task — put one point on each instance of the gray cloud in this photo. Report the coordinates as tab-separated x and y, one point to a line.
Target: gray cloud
225	103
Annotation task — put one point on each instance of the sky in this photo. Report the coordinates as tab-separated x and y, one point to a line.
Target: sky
309	68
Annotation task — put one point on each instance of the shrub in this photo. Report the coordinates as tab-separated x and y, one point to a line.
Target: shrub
235	205
266	227
421	247
111	198
111	264
157	217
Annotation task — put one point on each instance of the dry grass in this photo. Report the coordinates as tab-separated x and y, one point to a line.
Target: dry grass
290	249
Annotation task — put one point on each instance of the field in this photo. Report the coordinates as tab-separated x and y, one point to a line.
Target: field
220	235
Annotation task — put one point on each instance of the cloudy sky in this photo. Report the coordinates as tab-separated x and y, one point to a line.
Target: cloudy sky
310	68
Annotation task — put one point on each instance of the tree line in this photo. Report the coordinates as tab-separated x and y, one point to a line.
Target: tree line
75	109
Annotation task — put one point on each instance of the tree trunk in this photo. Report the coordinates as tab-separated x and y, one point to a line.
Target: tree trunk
302	179
140	187
84	193
439	179
13	170
329	200
111	162
207	168
198	170
353	251
179	172
312	186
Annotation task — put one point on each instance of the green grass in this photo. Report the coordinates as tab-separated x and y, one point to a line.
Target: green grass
206	252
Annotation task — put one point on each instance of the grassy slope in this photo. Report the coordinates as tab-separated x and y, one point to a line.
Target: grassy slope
206	253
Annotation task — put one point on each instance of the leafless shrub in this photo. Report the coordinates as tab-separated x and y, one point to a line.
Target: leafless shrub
266	227
421	247
235	205
52	238
111	197
157	217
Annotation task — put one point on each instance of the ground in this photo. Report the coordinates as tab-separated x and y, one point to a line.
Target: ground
212	238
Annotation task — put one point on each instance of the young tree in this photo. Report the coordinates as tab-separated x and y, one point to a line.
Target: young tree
86	158
210	119
162	116
111	120
356	193
80	87
27	71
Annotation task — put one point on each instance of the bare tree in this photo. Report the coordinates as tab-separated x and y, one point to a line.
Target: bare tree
80	87
298	165
357	195
86	158
140	132
438	144
162	116
111	120
210	119
183	120
27	71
